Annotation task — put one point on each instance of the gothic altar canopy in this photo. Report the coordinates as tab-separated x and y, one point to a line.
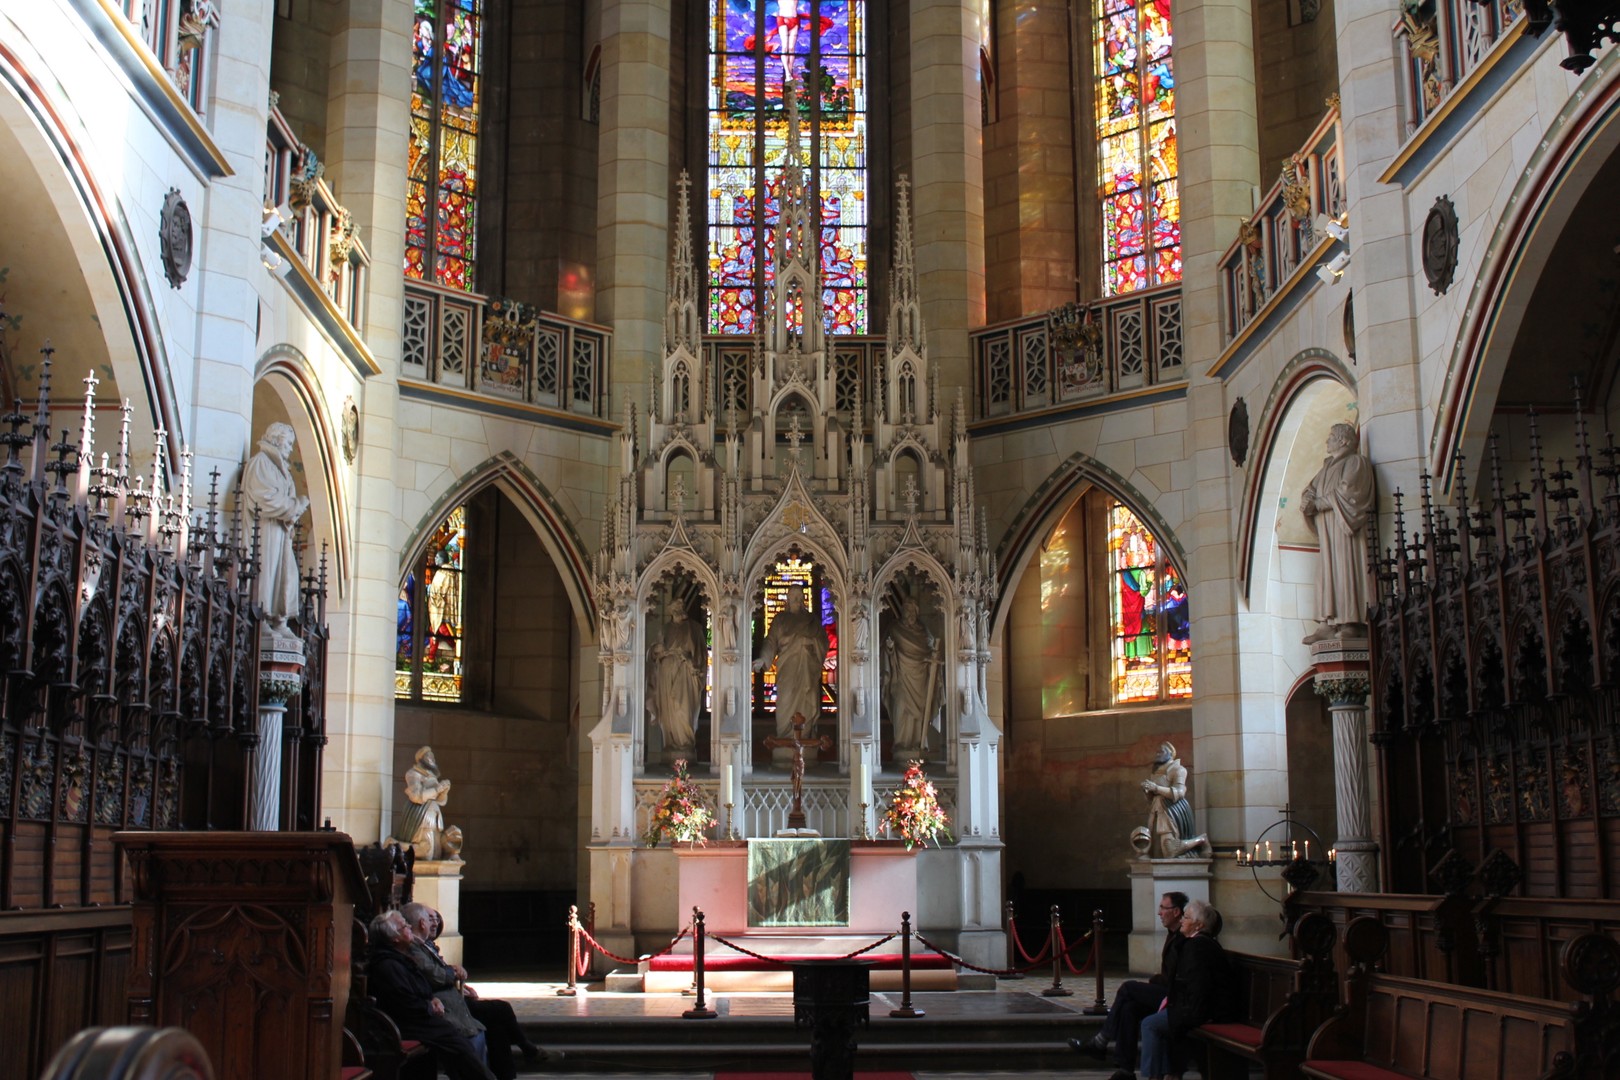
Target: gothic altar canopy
795	532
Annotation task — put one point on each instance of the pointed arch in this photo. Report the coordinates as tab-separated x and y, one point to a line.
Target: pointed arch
289	374
539	508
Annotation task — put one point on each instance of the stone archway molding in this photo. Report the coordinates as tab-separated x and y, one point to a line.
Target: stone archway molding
1307	367
543	513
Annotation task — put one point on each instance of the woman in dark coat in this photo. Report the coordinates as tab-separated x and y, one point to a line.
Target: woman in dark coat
1199	981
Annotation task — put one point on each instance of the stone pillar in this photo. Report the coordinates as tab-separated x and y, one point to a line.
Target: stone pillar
948	179
632	230
281	668
1342	677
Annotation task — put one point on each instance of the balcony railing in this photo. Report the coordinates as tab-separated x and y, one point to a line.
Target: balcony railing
1079	353
727	359
1264	261
504	350
1442	42
318	228
176	31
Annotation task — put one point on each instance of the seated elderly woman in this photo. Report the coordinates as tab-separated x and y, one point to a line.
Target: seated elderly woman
1199	979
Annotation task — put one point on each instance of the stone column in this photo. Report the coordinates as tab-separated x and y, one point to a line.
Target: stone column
281	675
632	230
948	179
1342	677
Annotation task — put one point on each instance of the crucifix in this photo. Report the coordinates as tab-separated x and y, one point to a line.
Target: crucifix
796	819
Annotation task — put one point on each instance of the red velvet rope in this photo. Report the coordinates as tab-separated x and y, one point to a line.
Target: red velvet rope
1083	968
597	945
1046	946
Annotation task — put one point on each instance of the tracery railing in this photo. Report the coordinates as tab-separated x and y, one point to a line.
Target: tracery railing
504	350
321	231
129	661
1441	43
1263	263
1078	353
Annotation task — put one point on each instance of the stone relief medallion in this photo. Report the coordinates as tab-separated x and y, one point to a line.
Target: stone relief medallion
351	430
1440	245
1237	432
174	238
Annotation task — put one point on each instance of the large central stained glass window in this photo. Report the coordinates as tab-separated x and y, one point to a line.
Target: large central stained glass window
1136	145
754	45
441	197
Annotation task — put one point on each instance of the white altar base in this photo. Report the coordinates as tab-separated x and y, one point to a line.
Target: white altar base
882	884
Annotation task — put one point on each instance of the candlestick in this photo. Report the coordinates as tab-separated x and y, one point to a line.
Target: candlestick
731	833
865	832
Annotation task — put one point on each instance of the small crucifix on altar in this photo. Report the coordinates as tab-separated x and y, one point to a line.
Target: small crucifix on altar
796	818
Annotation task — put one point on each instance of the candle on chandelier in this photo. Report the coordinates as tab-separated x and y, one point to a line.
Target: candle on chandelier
1307	851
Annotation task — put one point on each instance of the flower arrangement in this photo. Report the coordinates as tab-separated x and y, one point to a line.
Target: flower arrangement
914	812
682	812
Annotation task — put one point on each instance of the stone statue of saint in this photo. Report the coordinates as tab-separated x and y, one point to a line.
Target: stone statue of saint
1335	504
423	827
797	643
268	484
910	680
1169	831
675	679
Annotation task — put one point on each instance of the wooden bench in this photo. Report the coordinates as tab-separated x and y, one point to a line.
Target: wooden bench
1404	1028
1280	1001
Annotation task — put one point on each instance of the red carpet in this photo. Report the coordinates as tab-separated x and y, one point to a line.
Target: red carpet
859	1075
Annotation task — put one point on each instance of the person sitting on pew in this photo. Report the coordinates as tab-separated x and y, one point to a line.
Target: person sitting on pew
405	994
496	1017
1137	998
1200	978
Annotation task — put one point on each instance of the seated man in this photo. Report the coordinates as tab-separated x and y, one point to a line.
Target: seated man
403	992
449	983
1137	999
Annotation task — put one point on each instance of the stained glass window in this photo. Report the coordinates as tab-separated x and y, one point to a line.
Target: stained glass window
796	573
1136	145
432	645
441	198
753	47
1151	633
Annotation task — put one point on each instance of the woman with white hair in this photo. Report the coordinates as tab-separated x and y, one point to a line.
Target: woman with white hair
1194	990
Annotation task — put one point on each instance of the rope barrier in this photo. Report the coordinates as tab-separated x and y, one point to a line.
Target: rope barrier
777	960
953	958
1068	963
597	945
1019	945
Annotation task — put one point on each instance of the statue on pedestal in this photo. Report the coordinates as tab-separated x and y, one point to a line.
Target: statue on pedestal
268	484
1335	504
675	680
797	642
1169	831
423	828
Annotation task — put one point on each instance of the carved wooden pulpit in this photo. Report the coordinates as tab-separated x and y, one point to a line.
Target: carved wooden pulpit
244	939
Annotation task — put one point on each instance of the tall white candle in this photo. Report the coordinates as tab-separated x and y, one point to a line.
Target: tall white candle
725	782
863	780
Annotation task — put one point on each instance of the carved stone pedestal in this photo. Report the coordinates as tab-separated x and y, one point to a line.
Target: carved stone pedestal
1151	879
438	885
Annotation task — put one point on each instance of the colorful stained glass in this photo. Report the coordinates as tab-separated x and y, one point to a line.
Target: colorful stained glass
1152	628
441	201
754	47
1136	145
429	626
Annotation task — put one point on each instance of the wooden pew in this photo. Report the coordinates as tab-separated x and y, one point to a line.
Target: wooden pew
1404	1028
1280	1002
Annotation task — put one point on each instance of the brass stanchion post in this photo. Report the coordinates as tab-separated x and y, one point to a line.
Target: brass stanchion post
1012	943
1056	989
572	988
699	1010
1098	1007
905	1011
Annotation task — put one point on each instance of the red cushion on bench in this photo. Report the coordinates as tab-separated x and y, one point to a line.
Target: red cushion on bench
353	1072
411	1046
1353	1070
1247	1034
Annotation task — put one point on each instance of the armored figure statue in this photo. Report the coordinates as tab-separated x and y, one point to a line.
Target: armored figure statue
423	828
1169	831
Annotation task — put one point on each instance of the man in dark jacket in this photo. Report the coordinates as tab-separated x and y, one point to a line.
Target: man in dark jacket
1135	998
405	995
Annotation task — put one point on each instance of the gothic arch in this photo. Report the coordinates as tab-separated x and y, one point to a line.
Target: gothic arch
538	507
1070	479
1537	212
1286	422
287	372
41	142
